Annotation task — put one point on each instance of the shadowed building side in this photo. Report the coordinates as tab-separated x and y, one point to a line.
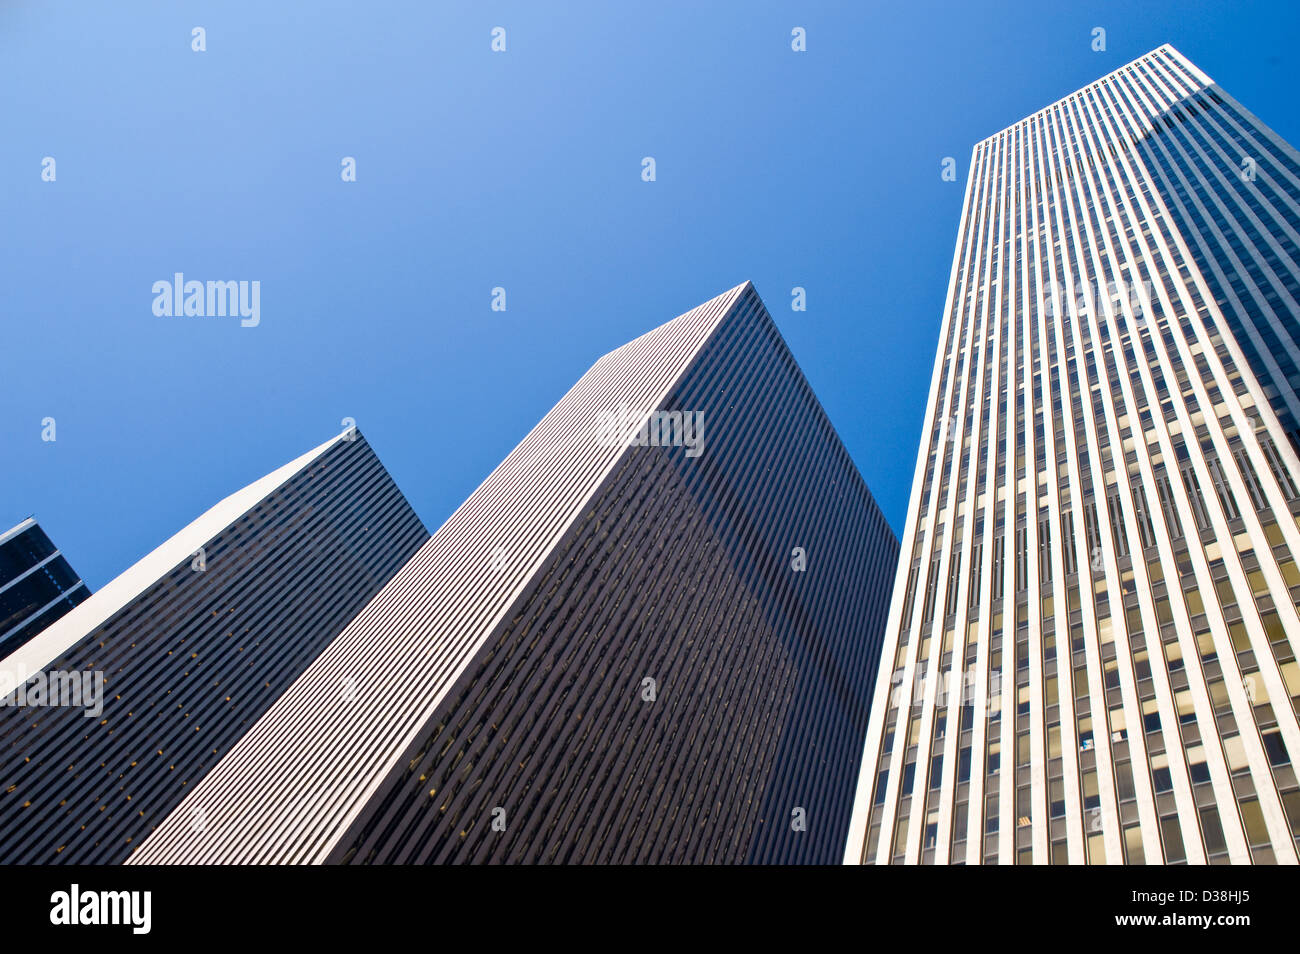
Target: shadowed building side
189	647
607	648
681	571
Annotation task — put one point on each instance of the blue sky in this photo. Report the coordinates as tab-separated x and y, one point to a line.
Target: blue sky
477	169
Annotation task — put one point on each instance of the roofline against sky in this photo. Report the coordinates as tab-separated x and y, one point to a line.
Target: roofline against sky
1162	48
53	641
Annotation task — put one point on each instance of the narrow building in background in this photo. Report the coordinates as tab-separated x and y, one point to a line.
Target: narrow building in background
1091	650
116	711
37	585
649	636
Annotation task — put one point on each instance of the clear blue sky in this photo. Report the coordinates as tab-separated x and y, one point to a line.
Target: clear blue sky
519	169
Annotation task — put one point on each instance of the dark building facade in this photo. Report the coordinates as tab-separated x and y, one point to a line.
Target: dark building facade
37	585
655	652
189	647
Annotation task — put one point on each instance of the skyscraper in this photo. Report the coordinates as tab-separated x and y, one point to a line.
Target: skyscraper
37	585
1091	650
648	636
119	708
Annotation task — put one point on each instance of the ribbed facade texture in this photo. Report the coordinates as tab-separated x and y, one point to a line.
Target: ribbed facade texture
609	653
37	584
1091	649
192	645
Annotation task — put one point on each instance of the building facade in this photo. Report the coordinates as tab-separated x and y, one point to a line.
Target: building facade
1091	648
117	710
649	636
37	584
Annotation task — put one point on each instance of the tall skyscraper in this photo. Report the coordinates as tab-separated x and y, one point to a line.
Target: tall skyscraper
112	714
37	585
649	636
1091	649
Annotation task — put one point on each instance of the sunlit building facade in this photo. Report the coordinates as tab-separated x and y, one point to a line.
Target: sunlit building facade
1091	649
